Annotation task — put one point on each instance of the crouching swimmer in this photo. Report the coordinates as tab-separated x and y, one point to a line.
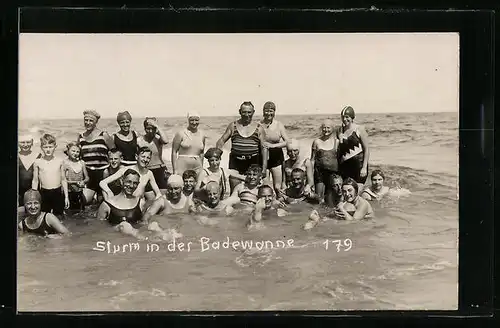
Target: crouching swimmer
213	206
265	207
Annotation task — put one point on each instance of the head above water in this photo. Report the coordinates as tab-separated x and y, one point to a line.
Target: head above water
175	180
298	177
377	178
130	181
32	195
213	152
350	189
212	190
267	193
123	116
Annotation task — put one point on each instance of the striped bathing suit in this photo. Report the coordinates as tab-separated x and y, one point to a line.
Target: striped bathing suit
245	151
95	156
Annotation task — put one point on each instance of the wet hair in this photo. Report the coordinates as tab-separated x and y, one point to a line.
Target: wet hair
144	149
213	152
351	182
47	139
254	168
298	170
247	103
130	172
72	144
189	174
261	189
115	151
377	172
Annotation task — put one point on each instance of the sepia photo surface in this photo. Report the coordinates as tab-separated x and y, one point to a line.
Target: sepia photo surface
383	238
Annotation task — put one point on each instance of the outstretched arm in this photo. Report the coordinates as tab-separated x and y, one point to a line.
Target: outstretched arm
103	211
54	222
104	183
154	209
225	137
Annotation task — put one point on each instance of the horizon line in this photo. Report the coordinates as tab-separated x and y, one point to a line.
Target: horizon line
183	116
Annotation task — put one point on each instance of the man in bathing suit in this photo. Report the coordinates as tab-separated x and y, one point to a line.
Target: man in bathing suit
189	177
246	144
265	206
212	206
296	192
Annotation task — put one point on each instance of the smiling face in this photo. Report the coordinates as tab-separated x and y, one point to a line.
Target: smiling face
293	153
89	122
193	122
252	178
130	183
349	193
25	145
115	159
48	149
267	195
150	130
337	185
346	120
124	124
189	184
297	181
327	128
268	114
213	194
74	153
214	162
143	159
33	207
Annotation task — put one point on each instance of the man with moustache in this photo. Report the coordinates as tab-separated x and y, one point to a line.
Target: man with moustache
246	144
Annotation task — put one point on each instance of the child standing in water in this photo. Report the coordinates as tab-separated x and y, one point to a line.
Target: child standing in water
214	173
115	164
324	160
48	174
26	159
76	176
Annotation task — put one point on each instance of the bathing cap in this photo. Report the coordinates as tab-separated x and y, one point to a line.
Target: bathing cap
25	137
123	115
269	105
148	119
213	152
175	180
92	113
32	195
293	144
212	186
193	114
349	111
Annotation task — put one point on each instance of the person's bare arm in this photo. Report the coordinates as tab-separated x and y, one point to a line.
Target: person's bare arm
264	151
234	198
176	144
199	180
54	222
314	147
309	173
86	177
360	213
154	209
35	182
283	179
235	174
104	183
162	137
103	211
225	137
64	184
154	185
366	148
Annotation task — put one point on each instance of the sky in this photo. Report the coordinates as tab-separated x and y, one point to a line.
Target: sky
165	75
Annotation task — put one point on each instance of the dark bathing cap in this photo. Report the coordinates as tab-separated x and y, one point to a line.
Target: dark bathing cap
269	105
213	152
348	111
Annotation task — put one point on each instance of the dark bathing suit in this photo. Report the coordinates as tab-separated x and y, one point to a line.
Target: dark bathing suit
115	186
351	155
127	148
325	167
276	157
95	156
52	200
245	151
43	229
132	215
25	179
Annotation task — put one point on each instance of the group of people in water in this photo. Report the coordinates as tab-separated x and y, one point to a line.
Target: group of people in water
125	176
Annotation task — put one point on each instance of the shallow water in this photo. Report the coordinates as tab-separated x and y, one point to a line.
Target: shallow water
404	259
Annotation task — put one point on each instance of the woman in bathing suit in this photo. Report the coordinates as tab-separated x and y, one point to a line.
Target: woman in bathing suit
155	139
26	158
125	209
296	161
246	145
377	190
188	147
95	145
275	138
37	222
353	152
324	159
126	140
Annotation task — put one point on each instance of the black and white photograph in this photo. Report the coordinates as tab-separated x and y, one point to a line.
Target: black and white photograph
238	172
